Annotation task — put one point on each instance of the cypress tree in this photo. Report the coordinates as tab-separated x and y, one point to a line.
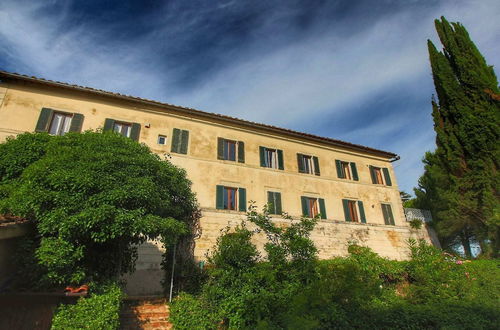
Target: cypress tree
461	180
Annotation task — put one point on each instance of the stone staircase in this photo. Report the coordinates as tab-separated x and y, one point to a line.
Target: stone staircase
145	313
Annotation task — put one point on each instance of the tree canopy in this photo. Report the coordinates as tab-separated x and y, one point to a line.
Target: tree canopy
461	180
93	197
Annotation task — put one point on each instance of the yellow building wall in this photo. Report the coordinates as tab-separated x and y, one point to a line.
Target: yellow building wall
20	108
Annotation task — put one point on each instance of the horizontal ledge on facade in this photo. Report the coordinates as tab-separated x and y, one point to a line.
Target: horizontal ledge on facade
296	218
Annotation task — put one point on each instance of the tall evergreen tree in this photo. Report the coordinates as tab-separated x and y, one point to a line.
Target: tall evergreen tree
461	180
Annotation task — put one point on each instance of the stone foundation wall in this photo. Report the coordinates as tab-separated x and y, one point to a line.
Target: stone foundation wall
331	237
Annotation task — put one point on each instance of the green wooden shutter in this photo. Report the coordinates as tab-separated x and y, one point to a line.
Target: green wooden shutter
387	221
262	152
277	200
372	174
387	177
300	163
322	208
108	124
219	198
270	202
242	202
220	148
135	131
388	217
281	165
354	171
76	123
305	207
345	203
241	152
316	165
361	212
176	140
42	124
340	173
184	142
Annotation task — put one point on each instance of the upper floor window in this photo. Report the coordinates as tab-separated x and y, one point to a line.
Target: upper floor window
131	130
380	175
311	207
230	198
230	150
122	128
272	158
58	122
354	211
162	139
387	212
180	140
346	170
308	164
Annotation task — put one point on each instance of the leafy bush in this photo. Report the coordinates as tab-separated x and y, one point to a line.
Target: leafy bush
93	197
189	312
100	311
243	293
361	291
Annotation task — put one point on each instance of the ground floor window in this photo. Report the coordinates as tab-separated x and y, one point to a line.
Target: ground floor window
354	210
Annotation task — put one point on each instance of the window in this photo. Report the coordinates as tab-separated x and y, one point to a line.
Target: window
272	158
380	175
162	139
60	123
311	207
354	211
230	150
274	202
180	140
346	170
122	128
231	198
308	164
387	212
131	130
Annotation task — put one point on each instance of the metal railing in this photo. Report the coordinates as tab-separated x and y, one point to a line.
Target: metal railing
423	215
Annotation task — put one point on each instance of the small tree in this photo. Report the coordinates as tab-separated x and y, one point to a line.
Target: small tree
93	197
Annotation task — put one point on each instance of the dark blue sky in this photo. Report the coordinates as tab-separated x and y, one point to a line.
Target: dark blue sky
351	70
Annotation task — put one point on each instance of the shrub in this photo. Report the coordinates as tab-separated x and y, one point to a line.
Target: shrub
361	291
189	312
100	311
93	198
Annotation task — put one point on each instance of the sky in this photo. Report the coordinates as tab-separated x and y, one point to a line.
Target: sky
354	70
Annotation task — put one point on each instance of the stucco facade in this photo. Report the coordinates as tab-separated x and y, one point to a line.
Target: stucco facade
23	98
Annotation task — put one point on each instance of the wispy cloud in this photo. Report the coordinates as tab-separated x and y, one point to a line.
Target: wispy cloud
356	71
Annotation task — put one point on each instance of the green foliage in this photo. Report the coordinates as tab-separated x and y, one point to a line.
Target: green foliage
234	250
416	223
62	261
243	293
100	311
361	291
189	312
93	197
461	179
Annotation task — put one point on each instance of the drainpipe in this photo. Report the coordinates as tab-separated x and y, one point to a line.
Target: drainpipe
395	159
172	275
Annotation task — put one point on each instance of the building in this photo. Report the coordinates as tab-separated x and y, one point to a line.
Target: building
232	161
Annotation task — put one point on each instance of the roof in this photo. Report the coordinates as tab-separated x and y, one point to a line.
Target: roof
9	76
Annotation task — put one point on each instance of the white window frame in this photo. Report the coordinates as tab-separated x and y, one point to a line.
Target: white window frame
118	127
164	139
62	125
